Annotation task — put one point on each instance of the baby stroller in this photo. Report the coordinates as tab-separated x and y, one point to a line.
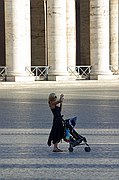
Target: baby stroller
72	137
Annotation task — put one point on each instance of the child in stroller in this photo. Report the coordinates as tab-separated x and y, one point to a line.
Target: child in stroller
72	137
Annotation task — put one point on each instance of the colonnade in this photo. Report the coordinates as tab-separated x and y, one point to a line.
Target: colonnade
61	27
61	37
56	27
103	37
99	37
114	33
17	38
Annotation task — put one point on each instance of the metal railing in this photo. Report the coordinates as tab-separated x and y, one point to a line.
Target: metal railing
80	72
114	69
40	72
3	73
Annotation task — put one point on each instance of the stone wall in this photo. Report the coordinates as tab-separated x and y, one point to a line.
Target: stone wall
37	32
2	34
83	32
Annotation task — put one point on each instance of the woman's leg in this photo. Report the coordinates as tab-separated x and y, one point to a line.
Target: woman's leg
55	146
56	149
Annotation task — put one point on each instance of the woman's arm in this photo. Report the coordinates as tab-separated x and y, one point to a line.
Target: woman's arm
52	104
61	98
55	102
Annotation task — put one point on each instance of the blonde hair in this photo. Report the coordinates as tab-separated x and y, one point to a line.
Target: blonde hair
51	97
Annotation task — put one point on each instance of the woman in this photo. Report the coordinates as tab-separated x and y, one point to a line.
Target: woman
57	131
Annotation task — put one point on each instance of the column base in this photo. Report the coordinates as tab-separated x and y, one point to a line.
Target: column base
104	77
61	78
11	78
97	75
108	77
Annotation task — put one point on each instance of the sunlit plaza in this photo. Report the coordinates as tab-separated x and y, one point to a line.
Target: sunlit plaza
25	122
61	46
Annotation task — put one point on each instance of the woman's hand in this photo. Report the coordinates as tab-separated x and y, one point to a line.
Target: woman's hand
62	97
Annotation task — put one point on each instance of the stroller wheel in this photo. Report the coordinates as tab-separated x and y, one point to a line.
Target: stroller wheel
71	149
87	149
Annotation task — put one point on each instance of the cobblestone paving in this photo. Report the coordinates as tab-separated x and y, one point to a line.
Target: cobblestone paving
25	125
25	155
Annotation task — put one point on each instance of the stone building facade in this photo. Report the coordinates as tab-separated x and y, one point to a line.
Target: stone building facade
59	34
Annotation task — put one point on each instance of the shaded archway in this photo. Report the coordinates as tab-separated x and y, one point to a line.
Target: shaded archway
2	34
37	33
82	32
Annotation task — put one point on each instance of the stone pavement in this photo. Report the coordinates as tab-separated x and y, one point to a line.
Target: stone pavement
25	155
25	125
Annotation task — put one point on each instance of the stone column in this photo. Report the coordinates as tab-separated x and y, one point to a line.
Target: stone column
56	29
114	16
71	33
17	32
99	38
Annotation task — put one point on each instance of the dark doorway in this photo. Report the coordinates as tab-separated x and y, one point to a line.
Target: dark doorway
82	32
2	34
37	33
77	32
